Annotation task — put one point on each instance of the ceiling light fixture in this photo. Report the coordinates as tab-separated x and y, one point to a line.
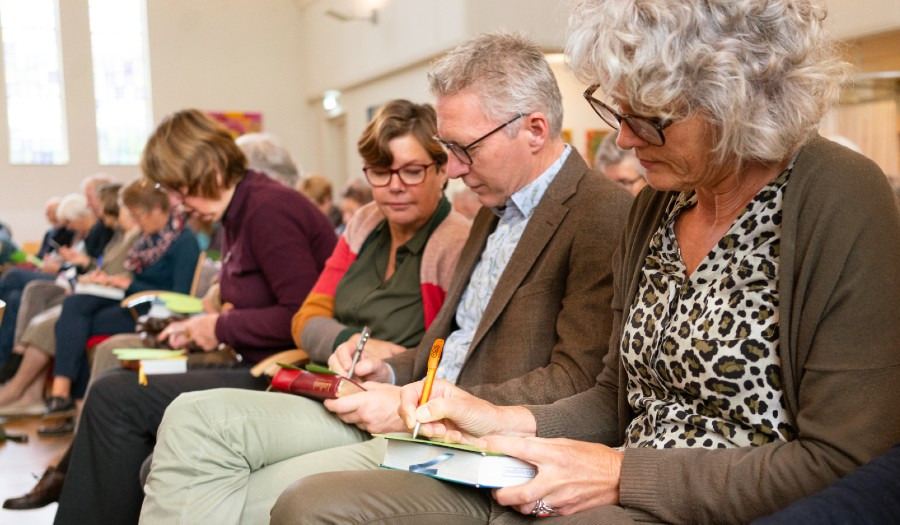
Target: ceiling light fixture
343	17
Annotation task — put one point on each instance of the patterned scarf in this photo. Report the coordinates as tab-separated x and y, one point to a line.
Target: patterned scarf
149	248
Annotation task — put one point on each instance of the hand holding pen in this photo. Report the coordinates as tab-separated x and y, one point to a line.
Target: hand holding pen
434	358
363	337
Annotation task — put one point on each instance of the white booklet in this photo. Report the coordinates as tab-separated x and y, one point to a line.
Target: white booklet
155	361
110	292
455	462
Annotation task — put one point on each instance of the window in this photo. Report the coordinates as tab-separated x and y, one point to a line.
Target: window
121	78
34	88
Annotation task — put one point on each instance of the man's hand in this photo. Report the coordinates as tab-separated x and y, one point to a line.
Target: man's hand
374	410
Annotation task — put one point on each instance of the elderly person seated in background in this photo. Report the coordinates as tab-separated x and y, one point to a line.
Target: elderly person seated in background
41	306
58	234
755	357
163	258
265	154
619	165
275	244
390	271
78	216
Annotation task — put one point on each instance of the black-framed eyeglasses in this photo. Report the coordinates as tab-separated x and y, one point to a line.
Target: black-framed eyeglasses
462	152
411	174
649	129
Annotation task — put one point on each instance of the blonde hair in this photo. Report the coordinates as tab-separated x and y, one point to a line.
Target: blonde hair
316	187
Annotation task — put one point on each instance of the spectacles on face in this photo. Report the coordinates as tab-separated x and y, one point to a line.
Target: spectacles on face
649	129
411	174
462	152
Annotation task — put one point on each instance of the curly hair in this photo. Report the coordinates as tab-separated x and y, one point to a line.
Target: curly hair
508	72
762	73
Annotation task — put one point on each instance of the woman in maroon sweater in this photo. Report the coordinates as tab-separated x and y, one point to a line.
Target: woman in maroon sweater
275	244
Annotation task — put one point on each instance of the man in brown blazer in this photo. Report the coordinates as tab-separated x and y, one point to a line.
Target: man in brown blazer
527	317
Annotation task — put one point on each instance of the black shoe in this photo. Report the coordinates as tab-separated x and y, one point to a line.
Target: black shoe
60	406
45	492
64	428
10	367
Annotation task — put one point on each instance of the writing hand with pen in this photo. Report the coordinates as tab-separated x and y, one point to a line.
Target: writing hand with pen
371	365
362	358
456	416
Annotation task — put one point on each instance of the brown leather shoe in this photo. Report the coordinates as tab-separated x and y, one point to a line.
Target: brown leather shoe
45	492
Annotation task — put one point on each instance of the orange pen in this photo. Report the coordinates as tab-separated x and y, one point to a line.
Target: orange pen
433	359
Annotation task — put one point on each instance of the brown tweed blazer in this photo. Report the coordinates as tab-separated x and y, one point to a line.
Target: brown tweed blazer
547	326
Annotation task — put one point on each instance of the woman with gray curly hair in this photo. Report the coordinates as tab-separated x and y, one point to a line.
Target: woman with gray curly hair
753	359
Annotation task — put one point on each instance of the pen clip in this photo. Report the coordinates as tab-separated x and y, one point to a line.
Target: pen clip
363	337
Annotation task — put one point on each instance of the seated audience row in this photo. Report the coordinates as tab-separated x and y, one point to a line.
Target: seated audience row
521	320
697	357
82	215
41	304
753	358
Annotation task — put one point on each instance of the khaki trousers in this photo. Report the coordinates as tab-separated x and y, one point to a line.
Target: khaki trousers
225	455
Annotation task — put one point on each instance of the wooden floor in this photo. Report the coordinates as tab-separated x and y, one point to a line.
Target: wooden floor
18	461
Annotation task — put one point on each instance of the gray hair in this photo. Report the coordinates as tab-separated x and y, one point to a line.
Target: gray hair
266	155
609	154
73	207
763	74
509	74
95	181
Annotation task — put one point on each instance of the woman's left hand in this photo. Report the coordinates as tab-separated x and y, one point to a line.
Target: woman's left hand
572	475
200	329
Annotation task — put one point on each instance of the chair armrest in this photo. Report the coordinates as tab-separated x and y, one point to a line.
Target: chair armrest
269	366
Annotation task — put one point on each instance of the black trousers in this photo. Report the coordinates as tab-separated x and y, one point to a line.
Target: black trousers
117	432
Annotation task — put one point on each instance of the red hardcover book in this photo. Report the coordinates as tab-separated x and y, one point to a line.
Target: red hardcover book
310	384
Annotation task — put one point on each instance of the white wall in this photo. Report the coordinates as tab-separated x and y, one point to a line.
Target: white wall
278	56
855	18
212	54
372	64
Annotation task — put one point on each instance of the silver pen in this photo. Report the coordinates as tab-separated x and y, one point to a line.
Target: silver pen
363	337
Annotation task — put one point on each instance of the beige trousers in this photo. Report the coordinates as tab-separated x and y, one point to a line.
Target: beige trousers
224	455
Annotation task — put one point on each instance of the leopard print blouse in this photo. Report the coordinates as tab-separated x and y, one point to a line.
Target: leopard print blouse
701	354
